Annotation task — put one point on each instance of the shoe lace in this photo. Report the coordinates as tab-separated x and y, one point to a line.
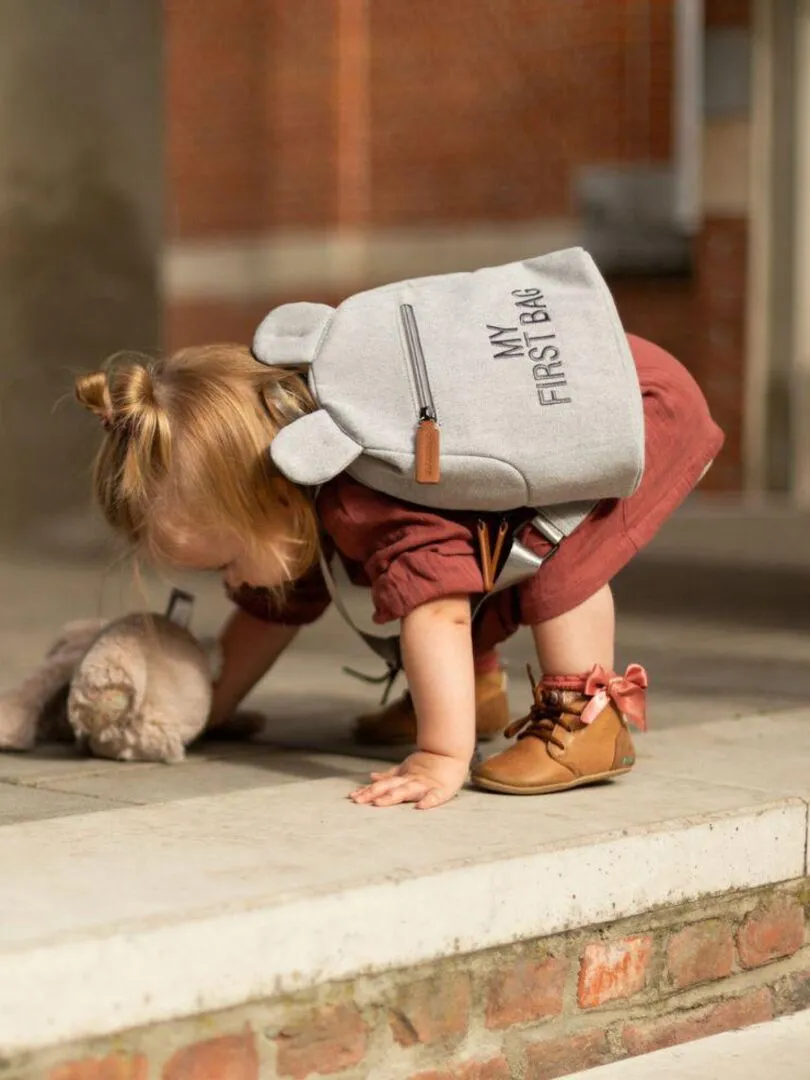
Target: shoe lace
542	720
541	723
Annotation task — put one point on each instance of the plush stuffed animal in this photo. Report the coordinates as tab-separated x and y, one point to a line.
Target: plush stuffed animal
134	689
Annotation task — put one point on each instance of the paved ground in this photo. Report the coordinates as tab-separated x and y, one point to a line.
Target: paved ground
778	1049
721	638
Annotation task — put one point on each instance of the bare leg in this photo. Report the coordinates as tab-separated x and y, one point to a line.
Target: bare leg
572	643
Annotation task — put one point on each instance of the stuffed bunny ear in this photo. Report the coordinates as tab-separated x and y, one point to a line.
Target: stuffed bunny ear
290	334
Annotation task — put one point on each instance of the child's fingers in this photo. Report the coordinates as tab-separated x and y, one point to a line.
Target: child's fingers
364	795
365	788
411	791
380	787
376	777
435	797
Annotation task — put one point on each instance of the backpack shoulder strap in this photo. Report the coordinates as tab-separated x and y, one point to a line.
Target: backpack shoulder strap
386	647
557	522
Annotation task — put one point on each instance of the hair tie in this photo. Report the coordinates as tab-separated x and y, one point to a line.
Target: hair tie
107	420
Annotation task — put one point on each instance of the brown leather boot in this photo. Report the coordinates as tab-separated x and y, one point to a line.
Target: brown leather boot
575	734
395	724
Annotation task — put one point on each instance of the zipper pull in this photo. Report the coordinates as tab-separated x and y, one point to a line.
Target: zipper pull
426	453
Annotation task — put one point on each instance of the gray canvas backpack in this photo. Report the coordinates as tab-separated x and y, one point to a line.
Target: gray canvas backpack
505	388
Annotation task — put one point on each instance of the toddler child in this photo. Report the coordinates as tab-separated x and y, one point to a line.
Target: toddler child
185	474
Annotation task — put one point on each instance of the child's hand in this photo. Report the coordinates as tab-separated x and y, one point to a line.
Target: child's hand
438	658
423	778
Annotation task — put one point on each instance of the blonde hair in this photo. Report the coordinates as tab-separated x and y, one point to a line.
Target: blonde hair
195	427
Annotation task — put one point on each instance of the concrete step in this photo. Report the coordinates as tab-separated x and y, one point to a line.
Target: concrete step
290	877
780	1049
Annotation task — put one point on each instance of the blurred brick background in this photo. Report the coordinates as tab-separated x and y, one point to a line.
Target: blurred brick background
478	111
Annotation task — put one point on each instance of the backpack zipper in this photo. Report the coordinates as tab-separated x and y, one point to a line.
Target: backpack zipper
427	464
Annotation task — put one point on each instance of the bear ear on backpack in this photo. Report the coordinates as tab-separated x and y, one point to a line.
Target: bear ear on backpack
314	449
290	334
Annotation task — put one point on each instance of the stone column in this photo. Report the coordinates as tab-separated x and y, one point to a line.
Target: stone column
80	223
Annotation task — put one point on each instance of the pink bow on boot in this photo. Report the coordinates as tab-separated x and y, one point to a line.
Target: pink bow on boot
627	692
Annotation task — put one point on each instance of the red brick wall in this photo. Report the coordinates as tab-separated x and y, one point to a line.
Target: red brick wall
719	314
728	12
478	110
483	111
214	84
249	115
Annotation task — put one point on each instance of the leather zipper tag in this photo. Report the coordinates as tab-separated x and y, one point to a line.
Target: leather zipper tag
428	445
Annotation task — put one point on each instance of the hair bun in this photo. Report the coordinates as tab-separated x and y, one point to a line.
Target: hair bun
133	392
93	391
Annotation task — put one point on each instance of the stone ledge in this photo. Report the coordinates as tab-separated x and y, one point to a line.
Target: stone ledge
538	1009
734	531
185	908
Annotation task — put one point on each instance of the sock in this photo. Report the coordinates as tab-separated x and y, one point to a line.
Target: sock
575	683
487	663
